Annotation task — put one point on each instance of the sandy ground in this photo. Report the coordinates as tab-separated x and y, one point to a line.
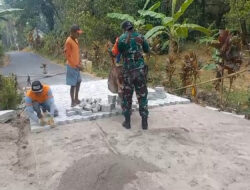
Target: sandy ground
186	147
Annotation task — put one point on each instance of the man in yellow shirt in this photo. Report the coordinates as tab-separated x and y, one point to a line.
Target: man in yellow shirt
72	54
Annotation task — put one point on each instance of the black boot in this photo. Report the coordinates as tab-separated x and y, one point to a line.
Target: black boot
126	123
144	123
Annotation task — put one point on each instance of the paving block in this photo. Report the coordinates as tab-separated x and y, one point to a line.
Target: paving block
85	113
77	109
111	99
112	106
159	89
99	116
85	118
95	110
83	104
71	113
7	115
91	118
152	96
106	114
106	107
167	103
88	107
77	120
93	105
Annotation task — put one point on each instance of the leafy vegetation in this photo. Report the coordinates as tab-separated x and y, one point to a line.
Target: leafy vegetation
170	27
10	98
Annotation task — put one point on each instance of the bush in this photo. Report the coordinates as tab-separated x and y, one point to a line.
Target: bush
1	51
9	95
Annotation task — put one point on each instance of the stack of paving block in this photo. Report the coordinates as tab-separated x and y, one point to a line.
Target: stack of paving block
110	105
85	108
89	106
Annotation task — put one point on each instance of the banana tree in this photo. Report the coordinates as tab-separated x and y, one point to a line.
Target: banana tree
139	22
5	12
171	27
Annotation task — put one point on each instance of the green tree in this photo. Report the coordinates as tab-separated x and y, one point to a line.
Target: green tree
170	25
239	17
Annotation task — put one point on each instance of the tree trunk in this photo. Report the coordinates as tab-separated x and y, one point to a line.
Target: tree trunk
173	46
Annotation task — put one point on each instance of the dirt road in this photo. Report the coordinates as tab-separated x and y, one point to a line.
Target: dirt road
186	147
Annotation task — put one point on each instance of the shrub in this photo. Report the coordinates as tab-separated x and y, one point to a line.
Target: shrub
9	95
1	51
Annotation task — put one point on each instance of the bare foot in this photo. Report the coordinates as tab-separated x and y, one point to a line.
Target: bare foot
73	104
77	101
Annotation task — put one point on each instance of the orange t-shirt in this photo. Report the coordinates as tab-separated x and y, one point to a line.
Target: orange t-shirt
72	52
40	97
115	50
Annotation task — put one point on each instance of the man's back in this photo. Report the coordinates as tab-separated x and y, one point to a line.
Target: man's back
132	45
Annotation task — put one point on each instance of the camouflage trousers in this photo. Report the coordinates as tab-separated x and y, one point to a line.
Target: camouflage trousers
135	80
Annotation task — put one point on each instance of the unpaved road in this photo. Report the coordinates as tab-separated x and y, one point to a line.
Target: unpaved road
25	63
187	147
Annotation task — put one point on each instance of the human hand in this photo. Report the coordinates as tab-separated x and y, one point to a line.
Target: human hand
51	121
42	122
80	66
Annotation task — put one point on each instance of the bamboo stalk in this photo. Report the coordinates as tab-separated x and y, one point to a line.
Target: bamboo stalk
212	80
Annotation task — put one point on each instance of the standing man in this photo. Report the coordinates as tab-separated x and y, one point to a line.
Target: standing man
72	53
132	45
40	97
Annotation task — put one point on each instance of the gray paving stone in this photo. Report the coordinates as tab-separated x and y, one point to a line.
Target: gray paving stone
7	115
85	113
106	107
71	113
77	109
112	99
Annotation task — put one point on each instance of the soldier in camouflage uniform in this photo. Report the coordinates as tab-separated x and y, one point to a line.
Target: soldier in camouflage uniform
132	45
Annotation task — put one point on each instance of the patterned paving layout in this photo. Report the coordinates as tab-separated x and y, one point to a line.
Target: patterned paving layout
96	90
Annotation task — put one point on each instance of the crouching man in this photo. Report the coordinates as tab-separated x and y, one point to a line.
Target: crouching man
40	99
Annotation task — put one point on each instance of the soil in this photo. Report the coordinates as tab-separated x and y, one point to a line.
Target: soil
186	147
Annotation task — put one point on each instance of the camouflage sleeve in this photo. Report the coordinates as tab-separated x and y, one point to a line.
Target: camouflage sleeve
145	46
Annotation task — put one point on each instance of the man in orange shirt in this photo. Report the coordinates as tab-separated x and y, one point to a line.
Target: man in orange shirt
40	97
72	54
